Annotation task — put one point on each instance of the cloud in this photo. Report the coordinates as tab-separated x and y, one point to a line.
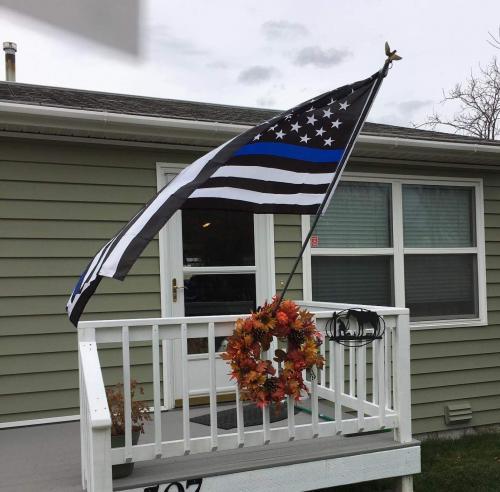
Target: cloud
283	29
318	57
410	107
256	74
402	113
218	65
163	41
266	102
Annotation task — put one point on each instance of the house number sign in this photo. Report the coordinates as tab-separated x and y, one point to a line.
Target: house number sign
193	485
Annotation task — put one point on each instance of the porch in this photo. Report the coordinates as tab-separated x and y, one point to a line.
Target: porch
361	390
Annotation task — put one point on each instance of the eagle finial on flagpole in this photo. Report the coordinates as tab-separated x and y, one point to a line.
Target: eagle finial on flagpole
391	55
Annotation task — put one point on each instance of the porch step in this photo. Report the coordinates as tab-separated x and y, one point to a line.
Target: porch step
230	462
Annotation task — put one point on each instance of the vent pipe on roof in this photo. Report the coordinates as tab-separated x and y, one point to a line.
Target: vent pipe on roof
10	61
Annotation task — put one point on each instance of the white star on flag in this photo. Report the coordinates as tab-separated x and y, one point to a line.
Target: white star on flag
295	127
344	105
336	124
280	134
328	141
257	137
311	120
271	128
319	133
327	113
305	138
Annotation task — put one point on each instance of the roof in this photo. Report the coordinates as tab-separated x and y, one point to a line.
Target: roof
40	95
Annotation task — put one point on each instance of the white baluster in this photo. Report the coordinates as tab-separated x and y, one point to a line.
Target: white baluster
361	378
185	389
240	424
339	385
352	371
126	392
322	350
155	346
212	385
381	378
167	348
291	417
387	367
375	373
266	423
332	362
314	402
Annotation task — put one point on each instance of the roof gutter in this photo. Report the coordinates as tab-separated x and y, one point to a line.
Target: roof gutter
214	132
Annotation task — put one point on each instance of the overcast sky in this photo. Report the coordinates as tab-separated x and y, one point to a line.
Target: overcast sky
269	54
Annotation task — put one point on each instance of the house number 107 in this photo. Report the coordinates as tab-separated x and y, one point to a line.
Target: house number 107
177	486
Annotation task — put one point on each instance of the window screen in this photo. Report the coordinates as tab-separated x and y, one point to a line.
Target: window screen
438	216
359	216
354	279
441	286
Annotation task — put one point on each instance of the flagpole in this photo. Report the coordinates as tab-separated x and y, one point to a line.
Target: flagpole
350	145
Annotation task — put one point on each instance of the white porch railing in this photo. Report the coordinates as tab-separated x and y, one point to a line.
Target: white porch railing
344	383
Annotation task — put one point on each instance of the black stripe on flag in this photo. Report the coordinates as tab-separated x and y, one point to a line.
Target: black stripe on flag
264	186
265	208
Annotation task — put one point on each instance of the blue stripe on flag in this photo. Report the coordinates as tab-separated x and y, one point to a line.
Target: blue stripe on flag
310	154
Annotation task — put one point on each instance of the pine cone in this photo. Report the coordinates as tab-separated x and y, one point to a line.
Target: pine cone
258	334
297	337
271	385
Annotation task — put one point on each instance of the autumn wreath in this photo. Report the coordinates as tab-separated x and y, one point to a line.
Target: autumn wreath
257	378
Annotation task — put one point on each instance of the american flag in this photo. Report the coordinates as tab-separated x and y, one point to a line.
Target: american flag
289	164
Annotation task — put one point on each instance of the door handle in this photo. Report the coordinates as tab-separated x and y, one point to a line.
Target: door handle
175	288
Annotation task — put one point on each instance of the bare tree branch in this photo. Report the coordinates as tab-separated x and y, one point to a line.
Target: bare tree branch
478	102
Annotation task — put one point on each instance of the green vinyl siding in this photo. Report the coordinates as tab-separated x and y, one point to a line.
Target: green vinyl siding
59	202
287	242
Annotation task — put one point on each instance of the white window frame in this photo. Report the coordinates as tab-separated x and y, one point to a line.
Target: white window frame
264	267
397	251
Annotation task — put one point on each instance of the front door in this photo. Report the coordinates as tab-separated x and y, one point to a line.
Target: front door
213	262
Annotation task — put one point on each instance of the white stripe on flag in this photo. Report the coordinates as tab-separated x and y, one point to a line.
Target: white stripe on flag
263	173
258	197
187	175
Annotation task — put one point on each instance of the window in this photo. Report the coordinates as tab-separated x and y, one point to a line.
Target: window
401	241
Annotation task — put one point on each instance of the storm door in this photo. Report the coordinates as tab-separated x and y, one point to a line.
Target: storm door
214	262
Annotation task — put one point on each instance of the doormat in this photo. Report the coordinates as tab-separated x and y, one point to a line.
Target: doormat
252	415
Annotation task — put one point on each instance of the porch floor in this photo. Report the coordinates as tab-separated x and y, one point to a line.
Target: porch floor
47	457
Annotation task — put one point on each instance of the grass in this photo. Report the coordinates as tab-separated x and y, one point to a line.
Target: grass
471	463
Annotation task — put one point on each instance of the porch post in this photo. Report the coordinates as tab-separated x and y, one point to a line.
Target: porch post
402	384
100	460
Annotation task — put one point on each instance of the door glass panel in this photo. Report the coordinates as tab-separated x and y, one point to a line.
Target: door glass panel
207	295
217	238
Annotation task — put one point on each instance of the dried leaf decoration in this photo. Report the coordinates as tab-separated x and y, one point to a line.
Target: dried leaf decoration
257	378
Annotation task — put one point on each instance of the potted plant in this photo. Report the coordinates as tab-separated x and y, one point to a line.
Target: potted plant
139	415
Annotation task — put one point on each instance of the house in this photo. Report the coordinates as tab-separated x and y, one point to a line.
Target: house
414	223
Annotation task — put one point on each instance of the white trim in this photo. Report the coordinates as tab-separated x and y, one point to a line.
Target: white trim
352	251
44	421
319	474
398	251
440	251
306	261
398	262
109	123
219	269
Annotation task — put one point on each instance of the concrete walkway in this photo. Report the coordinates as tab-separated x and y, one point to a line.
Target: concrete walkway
44	458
